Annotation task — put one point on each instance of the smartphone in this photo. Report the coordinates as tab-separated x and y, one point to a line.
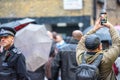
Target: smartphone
103	16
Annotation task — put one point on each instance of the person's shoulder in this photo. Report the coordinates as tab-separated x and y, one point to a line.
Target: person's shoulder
16	50
18	53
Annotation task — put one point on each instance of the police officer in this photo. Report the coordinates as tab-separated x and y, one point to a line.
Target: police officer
12	61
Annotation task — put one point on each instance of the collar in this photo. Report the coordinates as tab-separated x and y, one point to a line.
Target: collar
91	53
11	47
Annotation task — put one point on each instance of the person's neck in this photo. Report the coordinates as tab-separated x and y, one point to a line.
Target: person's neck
7	47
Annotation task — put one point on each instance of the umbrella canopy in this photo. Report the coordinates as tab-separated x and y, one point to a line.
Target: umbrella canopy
18	24
103	33
35	44
87	29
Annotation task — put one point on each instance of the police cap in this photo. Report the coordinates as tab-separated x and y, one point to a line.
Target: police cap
92	42
5	31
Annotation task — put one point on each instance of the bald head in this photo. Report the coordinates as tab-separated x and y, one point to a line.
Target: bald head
77	34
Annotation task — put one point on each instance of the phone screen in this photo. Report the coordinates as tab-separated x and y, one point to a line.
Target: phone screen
103	18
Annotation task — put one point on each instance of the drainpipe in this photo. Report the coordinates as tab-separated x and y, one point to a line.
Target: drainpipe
94	10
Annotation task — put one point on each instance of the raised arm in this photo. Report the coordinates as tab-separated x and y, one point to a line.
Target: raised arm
81	45
114	50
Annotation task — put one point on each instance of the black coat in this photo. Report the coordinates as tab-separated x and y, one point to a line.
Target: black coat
12	65
39	74
65	61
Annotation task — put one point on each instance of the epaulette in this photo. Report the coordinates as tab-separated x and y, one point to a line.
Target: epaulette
15	50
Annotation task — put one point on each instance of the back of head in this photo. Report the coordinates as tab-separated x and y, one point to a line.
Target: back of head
59	38
54	35
92	42
77	34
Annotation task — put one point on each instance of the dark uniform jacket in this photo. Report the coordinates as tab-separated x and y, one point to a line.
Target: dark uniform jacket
12	65
109	55
65	61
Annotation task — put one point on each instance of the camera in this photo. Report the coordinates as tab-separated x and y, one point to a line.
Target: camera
103	16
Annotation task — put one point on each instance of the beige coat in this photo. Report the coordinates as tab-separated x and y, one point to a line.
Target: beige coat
109	56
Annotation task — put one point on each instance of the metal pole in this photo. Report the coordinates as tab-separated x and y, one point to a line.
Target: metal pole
94	10
104	7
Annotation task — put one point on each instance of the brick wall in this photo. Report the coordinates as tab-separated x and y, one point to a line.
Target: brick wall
40	8
53	8
113	11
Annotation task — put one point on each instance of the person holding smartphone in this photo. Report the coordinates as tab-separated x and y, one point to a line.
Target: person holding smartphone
92	45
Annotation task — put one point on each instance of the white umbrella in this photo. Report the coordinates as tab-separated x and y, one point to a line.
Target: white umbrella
35	44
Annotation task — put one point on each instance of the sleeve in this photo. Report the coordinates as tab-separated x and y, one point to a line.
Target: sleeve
21	68
48	68
113	52
55	66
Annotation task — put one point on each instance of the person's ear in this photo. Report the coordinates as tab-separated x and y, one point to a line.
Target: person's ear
100	46
12	39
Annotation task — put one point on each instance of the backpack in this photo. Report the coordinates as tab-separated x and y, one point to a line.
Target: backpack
87	71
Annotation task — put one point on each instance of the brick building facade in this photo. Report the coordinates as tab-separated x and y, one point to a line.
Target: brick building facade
51	12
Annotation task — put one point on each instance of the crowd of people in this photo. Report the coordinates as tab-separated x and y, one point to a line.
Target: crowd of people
69	57
65	55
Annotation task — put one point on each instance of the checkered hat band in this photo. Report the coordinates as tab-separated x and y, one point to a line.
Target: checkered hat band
6	32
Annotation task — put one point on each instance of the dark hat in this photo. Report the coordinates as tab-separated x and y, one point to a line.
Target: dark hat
92	42
5	31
